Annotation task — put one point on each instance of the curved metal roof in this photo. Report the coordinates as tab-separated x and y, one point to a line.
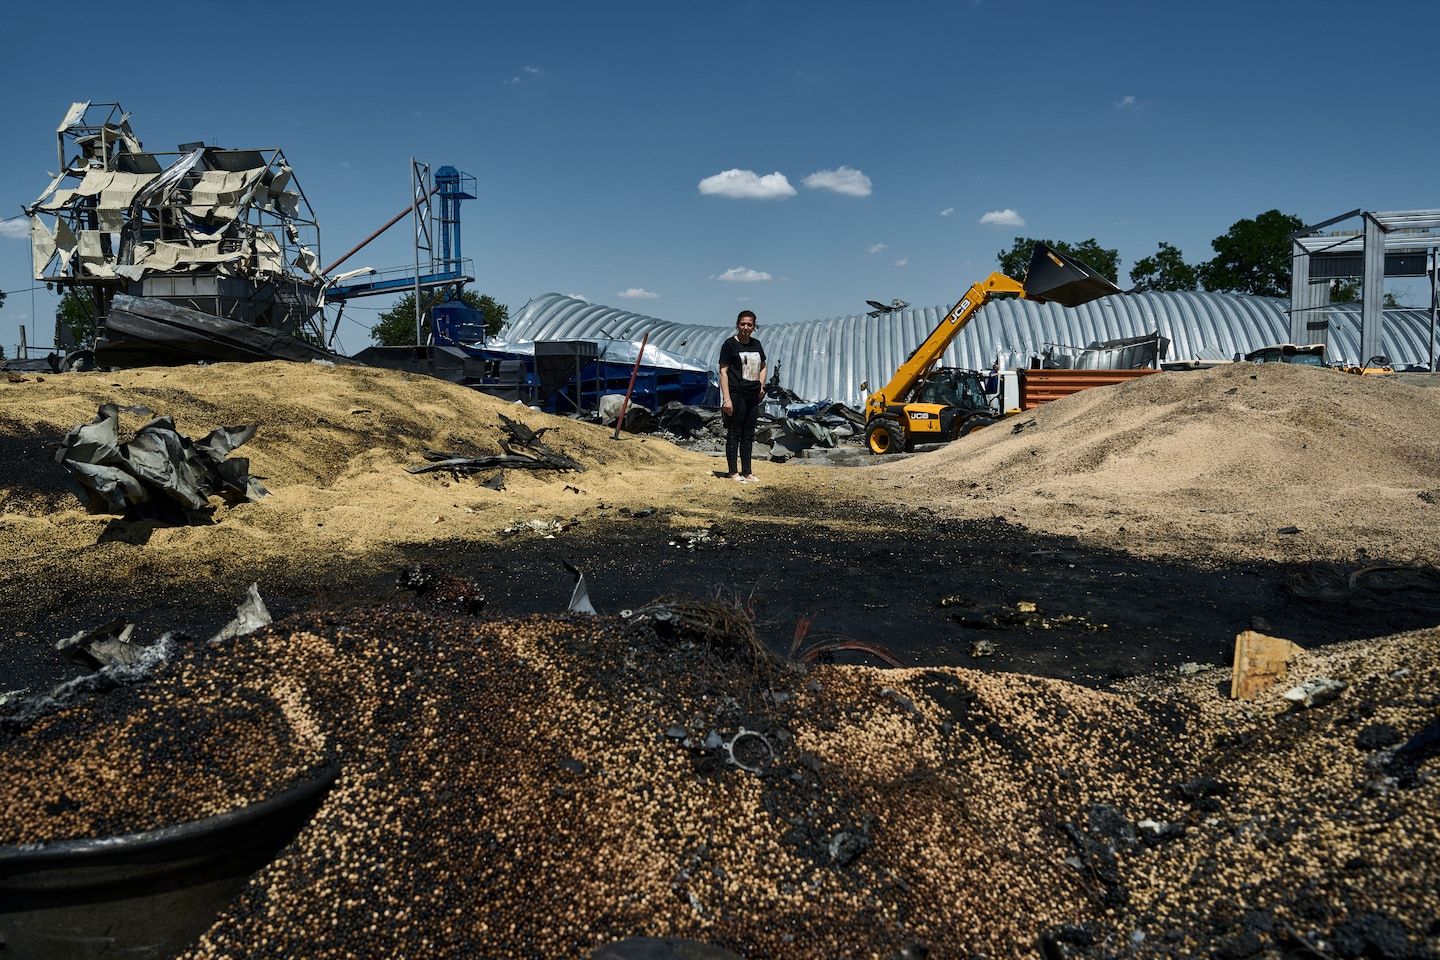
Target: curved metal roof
829	359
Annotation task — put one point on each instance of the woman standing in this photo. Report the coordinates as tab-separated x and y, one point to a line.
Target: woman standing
742	385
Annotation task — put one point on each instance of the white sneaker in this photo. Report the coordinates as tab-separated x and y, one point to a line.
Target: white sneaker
736	477
750	478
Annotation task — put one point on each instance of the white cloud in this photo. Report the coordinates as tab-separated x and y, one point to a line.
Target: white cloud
526	73
1003	218
947	211
877	247
850	182
18	228
747	185
742	299
637	293
743	275
1129	102
903	262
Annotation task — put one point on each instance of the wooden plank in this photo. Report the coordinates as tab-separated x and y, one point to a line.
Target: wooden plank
1260	660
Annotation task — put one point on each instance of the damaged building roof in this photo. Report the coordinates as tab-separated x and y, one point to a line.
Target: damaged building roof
221	234
121	212
829	359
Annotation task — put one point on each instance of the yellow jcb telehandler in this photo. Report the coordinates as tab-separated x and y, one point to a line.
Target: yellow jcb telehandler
926	404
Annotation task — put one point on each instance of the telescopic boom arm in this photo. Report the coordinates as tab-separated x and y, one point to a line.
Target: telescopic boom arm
933	347
1053	277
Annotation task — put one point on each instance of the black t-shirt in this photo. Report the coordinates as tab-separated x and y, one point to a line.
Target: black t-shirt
742	363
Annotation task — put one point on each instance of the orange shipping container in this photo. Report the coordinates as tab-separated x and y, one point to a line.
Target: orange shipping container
1042	386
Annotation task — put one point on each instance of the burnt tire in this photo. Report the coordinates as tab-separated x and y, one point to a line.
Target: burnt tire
975	423
884	436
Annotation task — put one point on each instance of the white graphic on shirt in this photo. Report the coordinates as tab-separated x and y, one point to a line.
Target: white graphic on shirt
750	365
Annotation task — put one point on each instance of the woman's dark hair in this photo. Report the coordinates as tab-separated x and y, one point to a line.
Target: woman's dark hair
746	313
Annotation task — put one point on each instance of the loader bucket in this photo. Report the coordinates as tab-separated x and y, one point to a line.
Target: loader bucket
1054	277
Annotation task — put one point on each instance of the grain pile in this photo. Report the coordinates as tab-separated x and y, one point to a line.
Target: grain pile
332	446
1206	464
1209	463
142	756
538	787
541	787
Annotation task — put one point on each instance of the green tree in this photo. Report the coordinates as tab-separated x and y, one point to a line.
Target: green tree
1349	291
1016	261
396	326
1253	256
1166	269
76	313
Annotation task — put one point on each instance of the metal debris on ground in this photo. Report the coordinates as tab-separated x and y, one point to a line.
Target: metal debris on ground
749	750
580	596
1334	582
103	645
520	433
1314	693
250	616
706	538
638	419
781	432
21	713
545	528
159	470
523	450
458	464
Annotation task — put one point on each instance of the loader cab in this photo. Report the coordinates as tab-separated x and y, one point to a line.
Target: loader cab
953	387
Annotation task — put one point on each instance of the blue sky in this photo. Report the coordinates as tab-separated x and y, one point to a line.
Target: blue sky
912	140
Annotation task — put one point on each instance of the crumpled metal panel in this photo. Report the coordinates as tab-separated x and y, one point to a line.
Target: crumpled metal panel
830	359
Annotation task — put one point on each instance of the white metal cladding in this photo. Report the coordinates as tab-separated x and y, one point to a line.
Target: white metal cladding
829	359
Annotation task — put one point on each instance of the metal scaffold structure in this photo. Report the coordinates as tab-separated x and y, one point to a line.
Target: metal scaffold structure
1398	243
439	260
227	233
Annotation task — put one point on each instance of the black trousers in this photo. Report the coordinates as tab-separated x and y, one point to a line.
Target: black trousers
740	428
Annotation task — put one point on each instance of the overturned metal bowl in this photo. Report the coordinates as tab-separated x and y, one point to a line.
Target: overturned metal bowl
148	894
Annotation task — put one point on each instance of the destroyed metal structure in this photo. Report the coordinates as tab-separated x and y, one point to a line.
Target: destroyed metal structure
226	234
1401	243
830	359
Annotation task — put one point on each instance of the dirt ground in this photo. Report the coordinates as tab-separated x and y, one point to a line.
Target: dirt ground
1105	541
1173	510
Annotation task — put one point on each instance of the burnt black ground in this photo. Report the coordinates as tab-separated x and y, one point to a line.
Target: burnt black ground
1109	615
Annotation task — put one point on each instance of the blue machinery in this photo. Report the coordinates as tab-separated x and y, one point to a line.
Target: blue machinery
561	376
437	236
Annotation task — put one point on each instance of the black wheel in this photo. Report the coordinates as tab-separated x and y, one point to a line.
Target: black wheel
975	423
884	436
79	360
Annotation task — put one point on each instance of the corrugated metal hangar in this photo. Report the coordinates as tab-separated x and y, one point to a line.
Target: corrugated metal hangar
829	359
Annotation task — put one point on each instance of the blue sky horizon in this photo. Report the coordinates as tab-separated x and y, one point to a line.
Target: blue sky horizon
795	159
